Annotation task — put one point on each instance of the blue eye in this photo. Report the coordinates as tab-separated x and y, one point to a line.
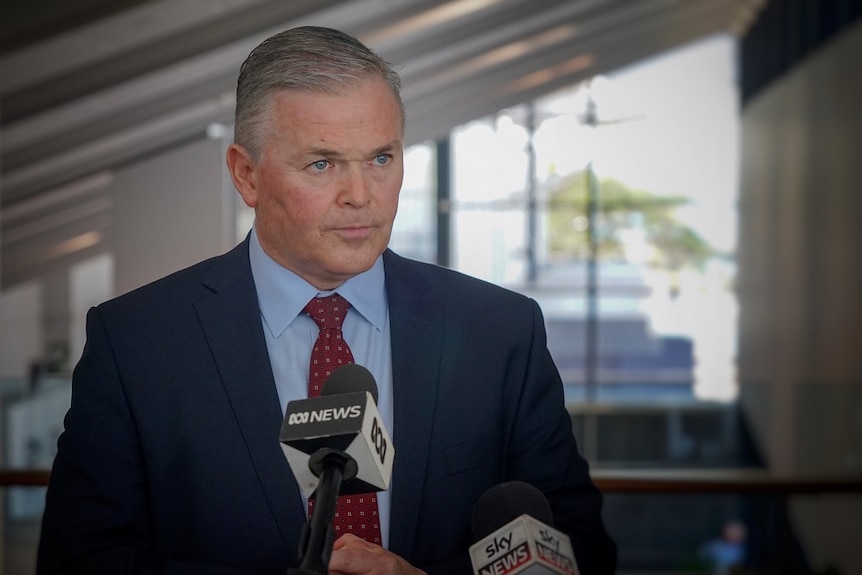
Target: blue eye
382	159
320	165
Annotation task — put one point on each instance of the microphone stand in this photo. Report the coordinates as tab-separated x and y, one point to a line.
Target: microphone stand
333	467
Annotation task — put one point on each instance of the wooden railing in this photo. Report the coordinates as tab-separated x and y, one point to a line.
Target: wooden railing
739	481
24	477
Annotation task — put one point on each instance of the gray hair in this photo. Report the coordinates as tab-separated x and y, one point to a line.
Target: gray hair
309	58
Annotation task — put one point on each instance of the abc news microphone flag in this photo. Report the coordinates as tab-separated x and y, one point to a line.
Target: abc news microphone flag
347	422
525	545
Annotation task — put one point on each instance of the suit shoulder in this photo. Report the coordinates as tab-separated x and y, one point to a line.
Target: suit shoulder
432	276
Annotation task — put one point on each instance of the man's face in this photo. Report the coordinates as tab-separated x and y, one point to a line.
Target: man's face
325	188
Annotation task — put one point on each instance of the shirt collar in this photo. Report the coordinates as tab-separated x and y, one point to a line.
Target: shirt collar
282	294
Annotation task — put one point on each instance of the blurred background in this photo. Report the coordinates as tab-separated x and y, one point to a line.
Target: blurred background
676	182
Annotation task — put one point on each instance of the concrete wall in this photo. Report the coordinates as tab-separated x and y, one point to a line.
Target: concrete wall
800	285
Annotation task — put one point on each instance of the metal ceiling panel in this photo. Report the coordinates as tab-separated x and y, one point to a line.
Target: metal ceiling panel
81	102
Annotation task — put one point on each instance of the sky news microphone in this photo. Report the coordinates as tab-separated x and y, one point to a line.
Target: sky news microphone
512	525
344	420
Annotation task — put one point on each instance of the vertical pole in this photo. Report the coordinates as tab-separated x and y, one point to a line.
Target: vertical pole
444	179
592	323
591	439
532	214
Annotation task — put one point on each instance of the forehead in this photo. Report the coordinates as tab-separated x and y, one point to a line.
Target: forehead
364	115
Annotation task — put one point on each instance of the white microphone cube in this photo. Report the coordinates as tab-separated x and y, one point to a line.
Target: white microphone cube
524	546
348	422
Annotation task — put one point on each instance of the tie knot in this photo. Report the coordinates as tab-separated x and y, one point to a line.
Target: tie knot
328	312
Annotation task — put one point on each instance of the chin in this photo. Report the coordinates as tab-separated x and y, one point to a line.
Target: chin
354	266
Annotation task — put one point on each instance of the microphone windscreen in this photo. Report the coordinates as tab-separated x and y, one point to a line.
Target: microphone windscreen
350	378
506	502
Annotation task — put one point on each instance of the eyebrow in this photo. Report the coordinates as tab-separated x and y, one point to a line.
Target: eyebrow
329	153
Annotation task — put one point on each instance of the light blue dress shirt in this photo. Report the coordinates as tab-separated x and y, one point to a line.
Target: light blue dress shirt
290	334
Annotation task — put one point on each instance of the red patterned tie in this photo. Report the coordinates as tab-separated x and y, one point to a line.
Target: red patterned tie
355	514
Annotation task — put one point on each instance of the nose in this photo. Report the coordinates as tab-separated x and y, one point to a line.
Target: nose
355	188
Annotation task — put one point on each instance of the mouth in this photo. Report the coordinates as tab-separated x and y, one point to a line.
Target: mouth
354	232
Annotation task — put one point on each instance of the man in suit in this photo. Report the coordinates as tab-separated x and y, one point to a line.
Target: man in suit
170	460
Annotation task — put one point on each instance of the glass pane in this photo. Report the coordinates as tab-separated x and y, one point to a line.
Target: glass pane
634	188
488	209
414	233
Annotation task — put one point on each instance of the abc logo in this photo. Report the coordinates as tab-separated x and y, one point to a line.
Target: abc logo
297	418
378	439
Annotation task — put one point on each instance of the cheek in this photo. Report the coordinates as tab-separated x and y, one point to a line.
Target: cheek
278	197
391	198
297	214
392	207
389	188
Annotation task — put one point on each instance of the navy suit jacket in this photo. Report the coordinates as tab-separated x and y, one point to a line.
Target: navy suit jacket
170	460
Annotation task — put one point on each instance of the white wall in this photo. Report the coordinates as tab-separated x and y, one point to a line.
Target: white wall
90	283
20	329
169	212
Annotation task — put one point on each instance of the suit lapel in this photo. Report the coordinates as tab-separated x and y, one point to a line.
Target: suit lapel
231	321
230	317
417	335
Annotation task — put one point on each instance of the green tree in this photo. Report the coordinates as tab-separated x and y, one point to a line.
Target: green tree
621	209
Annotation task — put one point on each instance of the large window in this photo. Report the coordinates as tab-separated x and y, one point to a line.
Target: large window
612	202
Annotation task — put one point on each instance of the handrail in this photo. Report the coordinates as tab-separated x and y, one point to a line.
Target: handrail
736	481
739	481
24	477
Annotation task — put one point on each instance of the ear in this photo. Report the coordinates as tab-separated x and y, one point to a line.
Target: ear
242	168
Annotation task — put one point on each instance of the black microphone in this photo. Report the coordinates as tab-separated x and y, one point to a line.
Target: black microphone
335	444
512	525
